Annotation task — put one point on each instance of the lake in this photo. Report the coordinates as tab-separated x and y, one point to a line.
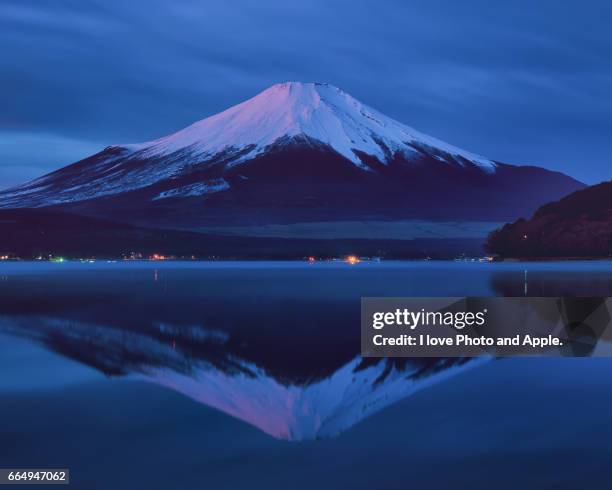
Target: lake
248	375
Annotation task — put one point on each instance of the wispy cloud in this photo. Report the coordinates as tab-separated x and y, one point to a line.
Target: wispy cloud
518	81
25	156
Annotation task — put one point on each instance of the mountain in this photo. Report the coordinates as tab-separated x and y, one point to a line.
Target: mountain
297	152
579	225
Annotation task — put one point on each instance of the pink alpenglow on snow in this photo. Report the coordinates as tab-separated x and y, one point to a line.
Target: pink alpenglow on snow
319	111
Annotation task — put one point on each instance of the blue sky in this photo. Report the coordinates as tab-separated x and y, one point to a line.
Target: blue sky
520	82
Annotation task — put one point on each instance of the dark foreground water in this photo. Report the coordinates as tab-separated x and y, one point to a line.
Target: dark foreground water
247	375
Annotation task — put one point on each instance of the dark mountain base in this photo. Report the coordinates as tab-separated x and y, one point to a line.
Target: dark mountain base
30	233
293	182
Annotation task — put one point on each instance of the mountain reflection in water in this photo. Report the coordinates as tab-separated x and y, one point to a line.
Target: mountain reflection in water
273	344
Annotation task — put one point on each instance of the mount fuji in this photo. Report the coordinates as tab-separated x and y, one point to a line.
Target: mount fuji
295	153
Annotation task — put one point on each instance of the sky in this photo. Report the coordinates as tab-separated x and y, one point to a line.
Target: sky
524	82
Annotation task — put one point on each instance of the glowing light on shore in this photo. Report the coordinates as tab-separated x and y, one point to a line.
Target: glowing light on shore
352	259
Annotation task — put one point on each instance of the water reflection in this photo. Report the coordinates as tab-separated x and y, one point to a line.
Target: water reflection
200	364
275	345
590	280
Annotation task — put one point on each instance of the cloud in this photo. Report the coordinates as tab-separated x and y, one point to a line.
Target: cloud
517	81
25	156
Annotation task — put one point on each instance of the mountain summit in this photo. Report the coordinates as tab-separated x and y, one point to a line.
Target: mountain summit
321	112
295	153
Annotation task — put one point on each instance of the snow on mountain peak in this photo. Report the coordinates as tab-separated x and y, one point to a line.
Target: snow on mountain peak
314	112
318	111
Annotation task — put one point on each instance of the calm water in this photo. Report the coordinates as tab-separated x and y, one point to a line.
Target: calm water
247	375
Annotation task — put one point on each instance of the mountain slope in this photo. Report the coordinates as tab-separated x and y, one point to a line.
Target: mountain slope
294	153
579	225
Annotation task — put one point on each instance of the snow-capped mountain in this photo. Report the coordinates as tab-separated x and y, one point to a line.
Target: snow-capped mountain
320	112
296	152
285	409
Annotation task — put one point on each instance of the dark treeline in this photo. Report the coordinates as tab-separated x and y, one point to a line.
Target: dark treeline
579	225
